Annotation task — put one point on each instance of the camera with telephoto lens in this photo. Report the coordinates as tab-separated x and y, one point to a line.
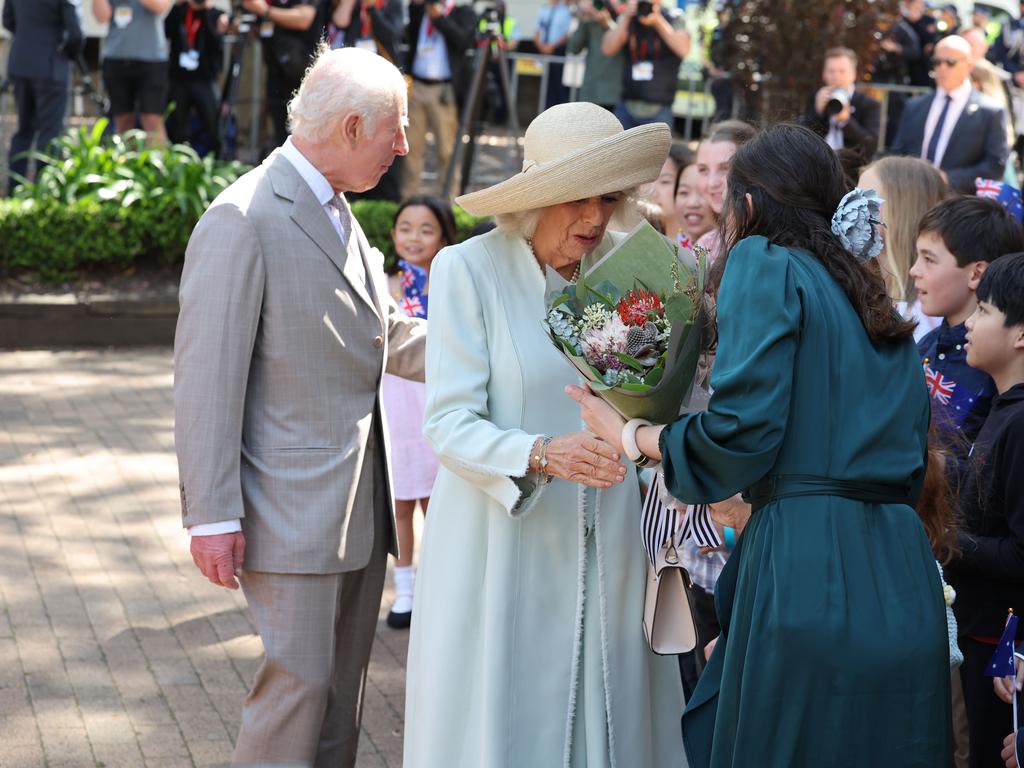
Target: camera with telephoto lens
644	8
838	100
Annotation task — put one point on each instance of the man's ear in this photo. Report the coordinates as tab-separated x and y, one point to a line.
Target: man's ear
977	270
351	127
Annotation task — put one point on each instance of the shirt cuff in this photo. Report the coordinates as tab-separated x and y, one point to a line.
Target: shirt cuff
215	529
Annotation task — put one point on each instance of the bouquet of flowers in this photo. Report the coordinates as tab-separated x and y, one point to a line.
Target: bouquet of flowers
632	325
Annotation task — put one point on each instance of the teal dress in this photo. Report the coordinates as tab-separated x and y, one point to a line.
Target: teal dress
833	648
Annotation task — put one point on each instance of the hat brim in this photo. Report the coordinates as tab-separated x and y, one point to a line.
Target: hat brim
613	164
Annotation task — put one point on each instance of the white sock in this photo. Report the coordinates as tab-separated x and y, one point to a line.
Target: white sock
405	583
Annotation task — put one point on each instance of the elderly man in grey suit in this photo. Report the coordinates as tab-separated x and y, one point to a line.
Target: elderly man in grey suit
286	327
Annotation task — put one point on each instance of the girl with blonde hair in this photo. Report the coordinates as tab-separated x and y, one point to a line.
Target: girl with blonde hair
910	187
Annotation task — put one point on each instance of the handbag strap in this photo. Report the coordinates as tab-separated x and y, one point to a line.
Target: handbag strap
664	526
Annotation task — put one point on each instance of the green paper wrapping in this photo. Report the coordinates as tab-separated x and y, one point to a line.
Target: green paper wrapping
645	259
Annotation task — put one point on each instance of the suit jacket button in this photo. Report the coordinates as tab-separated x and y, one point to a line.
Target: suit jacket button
378	341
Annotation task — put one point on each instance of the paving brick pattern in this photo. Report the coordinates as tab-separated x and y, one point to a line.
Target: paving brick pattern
114	651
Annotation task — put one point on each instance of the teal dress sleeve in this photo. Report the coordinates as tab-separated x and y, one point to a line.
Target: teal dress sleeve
712	455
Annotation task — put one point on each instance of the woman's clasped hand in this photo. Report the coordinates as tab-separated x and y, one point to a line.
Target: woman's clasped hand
580	457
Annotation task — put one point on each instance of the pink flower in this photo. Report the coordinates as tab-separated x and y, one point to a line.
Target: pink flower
599	343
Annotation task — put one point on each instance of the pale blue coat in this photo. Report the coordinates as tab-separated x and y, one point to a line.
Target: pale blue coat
527	629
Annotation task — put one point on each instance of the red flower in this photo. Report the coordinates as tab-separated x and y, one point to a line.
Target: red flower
636	306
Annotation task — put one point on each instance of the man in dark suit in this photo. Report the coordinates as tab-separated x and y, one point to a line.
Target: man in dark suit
956	129
47	36
843	116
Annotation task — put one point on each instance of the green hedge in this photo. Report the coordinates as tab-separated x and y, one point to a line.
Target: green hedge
100	203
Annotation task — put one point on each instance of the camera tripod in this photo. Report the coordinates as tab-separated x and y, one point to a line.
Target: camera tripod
490	48
244	26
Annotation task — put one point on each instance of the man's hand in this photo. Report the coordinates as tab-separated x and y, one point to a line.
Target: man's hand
259	7
733	512
219	557
1009	753
435	10
1018	78
821	99
891	46
1007	687
654	18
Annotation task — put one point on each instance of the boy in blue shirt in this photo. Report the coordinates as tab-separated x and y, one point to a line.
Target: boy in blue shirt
956	241
988	572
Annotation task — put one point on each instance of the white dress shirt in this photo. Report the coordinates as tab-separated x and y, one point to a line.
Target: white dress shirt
324	194
956	107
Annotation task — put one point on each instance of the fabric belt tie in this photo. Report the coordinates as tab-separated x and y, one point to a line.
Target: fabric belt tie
776	487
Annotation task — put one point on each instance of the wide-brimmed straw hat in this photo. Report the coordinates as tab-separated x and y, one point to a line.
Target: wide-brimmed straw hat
572	152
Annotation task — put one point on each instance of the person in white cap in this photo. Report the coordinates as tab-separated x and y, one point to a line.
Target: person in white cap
527	647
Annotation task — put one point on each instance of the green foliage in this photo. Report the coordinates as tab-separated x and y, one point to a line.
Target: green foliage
82	166
106	203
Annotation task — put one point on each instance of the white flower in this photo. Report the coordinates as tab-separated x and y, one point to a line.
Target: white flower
596	316
948	594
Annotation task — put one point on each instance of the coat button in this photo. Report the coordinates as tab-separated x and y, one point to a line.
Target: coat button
378	341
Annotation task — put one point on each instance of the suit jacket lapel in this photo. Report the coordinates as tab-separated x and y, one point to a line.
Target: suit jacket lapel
962	123
310	216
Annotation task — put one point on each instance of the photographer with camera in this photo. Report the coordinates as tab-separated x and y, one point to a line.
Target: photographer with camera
602	76
439	33
195	32
135	63
843	116
289	38
656	42
47	37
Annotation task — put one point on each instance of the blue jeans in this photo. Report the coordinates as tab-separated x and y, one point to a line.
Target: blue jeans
628	120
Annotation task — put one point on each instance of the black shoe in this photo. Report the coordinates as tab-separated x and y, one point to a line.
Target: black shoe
399	620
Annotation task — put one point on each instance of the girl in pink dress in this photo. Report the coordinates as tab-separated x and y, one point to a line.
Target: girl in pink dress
423	226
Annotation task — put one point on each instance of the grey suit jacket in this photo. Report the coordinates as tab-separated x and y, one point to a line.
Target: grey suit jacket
279	354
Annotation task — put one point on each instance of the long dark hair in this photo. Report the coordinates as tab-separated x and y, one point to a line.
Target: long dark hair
441	210
795	183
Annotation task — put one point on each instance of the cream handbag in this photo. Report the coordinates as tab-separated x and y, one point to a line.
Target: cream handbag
668	617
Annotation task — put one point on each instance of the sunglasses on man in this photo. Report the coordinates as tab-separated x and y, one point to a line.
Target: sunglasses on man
947	62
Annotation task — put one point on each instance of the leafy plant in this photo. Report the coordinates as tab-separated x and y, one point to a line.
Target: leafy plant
83	166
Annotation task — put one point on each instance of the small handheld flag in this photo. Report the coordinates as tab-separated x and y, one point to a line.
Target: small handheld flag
1003	193
1002	663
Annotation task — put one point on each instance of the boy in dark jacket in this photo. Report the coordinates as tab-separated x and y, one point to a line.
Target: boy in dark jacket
956	241
988	574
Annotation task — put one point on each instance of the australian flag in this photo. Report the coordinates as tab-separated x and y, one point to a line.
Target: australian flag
1002	664
414	285
1003	193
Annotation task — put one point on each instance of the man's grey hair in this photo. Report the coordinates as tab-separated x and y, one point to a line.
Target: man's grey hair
340	82
524	223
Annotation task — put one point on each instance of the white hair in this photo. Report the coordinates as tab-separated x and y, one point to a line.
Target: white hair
340	82
524	223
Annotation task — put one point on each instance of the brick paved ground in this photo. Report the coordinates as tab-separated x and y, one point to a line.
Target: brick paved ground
114	651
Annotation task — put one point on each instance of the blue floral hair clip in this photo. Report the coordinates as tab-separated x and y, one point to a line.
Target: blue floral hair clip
855	220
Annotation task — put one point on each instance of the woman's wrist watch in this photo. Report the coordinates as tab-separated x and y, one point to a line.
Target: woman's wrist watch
629	446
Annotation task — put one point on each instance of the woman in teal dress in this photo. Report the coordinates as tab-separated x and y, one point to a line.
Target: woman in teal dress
833	649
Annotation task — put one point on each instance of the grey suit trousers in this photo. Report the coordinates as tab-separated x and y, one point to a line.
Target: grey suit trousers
305	706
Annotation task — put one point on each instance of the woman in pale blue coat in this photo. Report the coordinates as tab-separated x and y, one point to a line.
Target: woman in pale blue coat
527	647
